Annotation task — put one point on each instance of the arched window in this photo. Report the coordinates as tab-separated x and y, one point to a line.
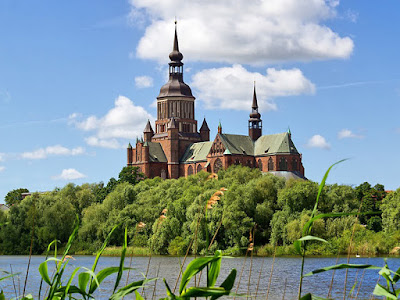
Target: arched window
249	163
270	164
190	171
199	168
260	166
163	174
237	162
217	165
294	165
282	164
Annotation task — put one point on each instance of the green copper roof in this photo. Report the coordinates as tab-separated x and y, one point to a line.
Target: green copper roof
238	144
274	143
197	152
156	152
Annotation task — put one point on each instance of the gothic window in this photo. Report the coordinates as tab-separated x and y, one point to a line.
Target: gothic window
217	165
249	164
270	164
190	171
282	164
260	166
163	174
294	165
237	162
198	168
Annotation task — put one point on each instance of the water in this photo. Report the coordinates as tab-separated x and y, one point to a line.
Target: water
284	280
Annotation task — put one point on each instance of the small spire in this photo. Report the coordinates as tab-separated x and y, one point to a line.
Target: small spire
255	104
175	55
129	146
219	127
288	131
172	124
204	126
148	128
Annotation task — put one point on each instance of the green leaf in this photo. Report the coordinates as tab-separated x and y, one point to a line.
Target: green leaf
98	254
121	263
297	247
396	277
2	297
194	267
43	270
342	266
382	291
70	280
214	269
228	283
205	292
311	238
312	297
103	274
83	280
170	294
138	296
130	288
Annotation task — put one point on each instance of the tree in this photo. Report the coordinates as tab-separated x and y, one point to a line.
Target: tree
15	196
391	212
130	174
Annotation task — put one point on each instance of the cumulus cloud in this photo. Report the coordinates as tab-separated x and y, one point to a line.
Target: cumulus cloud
232	87
246	32
56	150
318	141
69	174
348	134
143	81
2	168
124	121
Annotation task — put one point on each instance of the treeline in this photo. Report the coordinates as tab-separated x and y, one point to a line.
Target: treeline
168	216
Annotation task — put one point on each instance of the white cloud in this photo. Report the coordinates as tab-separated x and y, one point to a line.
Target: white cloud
124	121
56	150
242	31
346	133
318	141
232	87
2	168
2	155
69	174
143	81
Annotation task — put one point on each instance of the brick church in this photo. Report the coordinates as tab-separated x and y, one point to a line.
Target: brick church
176	148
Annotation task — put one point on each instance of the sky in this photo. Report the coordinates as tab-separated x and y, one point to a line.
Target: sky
79	80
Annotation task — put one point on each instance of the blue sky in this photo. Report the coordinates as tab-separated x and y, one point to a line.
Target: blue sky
78	81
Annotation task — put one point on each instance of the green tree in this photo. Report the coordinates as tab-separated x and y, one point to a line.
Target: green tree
15	196
391	212
130	174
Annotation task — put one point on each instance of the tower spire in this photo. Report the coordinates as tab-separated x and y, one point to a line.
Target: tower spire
255	104
175	55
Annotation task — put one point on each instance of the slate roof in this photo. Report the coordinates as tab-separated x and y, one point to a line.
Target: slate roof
237	144
196	152
274	143
156	152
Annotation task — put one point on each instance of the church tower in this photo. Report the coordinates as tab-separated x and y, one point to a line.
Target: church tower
176	99
255	123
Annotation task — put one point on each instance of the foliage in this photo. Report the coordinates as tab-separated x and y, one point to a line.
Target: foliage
14	196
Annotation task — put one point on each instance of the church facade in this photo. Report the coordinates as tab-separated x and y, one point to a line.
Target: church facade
177	148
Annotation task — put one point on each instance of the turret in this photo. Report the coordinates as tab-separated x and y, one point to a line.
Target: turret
129	154
205	131
148	132
255	123
219	127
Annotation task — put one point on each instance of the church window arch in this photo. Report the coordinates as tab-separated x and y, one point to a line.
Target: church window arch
199	168
163	174
283	165
270	164
260	165
294	165
190	171
237	162
217	165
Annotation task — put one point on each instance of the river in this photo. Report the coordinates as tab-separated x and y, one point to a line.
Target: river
284	284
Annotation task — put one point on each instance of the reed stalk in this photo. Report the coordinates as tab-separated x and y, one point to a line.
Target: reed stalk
155	283
251	262
284	289
361	281
259	278
333	276
349	250
15	288
241	273
270	275
30	248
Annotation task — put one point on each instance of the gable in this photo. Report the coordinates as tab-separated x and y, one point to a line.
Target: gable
274	143
196	152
